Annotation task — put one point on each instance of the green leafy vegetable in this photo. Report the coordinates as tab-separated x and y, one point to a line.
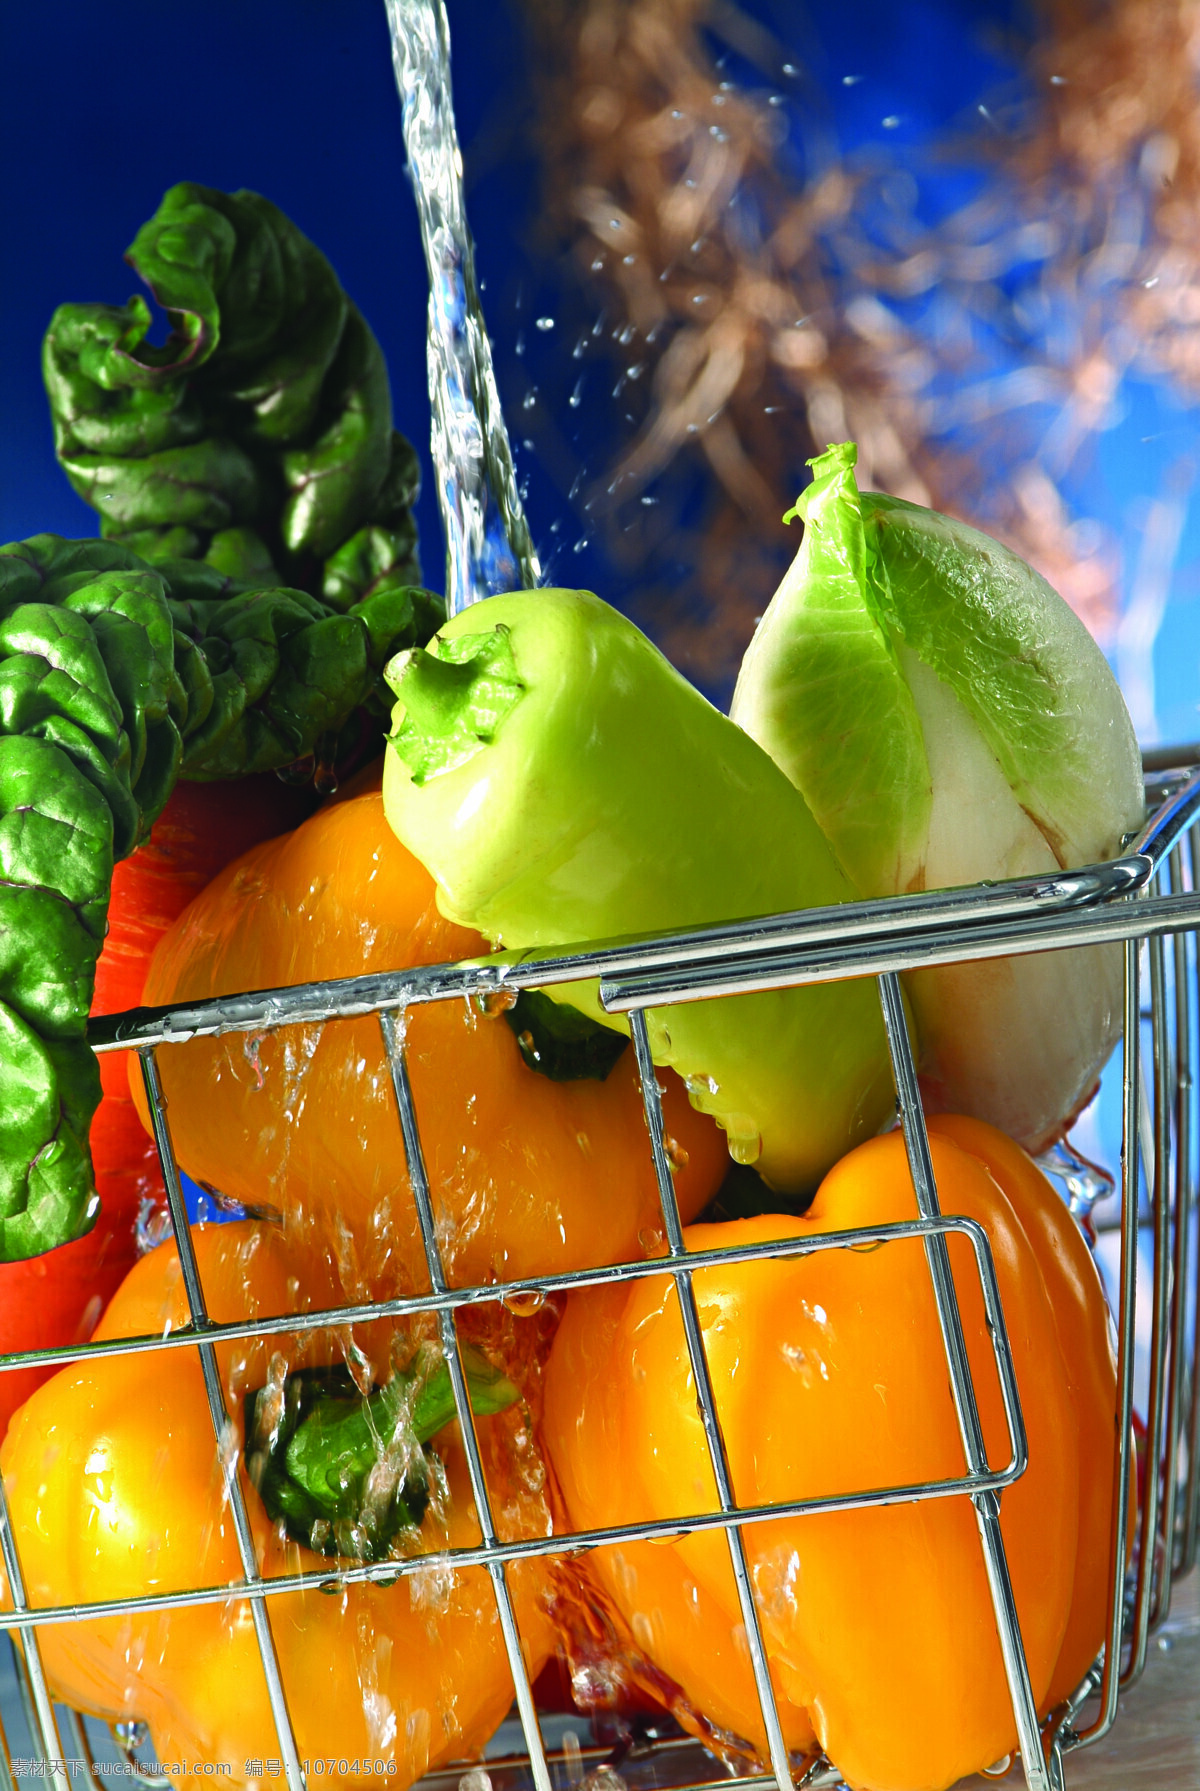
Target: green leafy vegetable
117	676
258	570
259	437
948	719
90	709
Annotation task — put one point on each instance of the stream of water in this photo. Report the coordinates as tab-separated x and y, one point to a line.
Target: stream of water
488	546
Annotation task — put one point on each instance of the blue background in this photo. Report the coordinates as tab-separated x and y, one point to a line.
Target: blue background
105	107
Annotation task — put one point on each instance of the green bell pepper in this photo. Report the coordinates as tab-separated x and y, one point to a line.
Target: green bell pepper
563	783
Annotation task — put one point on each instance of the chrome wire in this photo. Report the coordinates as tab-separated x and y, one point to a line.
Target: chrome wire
394	1044
219	1413
725	961
1148	1562
1124	1455
710	1418
1038	1771
872	938
43	1725
1179	1168
1191	1217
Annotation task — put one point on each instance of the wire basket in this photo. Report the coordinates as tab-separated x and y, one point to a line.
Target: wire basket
1149	898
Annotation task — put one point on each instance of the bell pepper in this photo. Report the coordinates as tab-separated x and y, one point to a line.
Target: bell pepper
563	783
830	1377
115	1489
56	1298
528	1175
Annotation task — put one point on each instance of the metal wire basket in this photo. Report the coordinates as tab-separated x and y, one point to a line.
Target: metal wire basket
1149	898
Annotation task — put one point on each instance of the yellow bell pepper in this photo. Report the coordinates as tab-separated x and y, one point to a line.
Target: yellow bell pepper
830	1377
115	1490
528	1175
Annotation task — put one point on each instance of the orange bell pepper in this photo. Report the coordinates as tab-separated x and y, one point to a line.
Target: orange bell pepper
1088	1343
830	1377
55	1299
528	1175
115	1490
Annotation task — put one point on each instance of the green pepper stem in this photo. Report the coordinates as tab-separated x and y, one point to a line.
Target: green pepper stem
455	696
346	1473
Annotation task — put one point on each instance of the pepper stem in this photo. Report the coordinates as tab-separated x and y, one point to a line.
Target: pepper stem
455	695
346	1473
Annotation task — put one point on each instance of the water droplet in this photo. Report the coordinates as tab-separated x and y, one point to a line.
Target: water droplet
131	1735
545	323
1085	1182
530	399
494	1002
596	1685
300	771
891	121
580	544
604	1778
651	1240
153	1225
597	264
744	1138
525	1303
999	1768
229	1448
677	1156
576	398
251	1046
572	1757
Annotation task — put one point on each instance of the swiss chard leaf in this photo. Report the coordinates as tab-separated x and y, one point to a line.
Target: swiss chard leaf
259	436
115	677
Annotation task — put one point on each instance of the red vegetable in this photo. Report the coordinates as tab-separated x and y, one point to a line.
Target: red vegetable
56	1299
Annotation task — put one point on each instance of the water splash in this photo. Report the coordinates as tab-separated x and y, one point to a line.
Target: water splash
1085	1182
488	547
